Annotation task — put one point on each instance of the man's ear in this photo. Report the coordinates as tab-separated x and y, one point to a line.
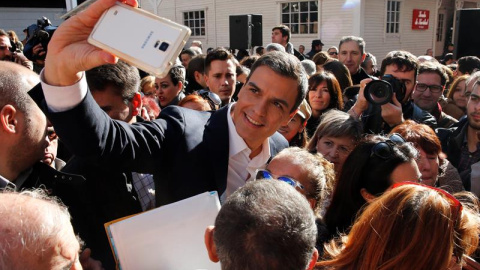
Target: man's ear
8	121
198	76
136	104
312	263
210	244
364	56
205	77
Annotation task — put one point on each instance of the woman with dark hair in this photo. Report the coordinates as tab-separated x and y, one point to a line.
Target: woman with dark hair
456	102
409	227
324	94
436	170
170	88
320	59
371	168
295	131
340	71
335	137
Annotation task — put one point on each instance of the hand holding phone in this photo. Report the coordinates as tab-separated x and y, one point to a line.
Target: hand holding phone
69	53
140	38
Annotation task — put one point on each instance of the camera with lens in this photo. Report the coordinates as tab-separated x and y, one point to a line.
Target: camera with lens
380	92
39	33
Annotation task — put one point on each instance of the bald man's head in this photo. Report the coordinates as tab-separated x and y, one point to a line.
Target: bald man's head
36	233
22	124
15	81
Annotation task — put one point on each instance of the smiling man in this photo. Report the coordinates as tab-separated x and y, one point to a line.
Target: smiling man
431	82
189	152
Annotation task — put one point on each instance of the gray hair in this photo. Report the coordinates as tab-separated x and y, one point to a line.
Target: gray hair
274	47
31	222
358	40
309	67
288	66
265	223
335	123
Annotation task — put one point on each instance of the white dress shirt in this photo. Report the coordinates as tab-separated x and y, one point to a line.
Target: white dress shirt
240	167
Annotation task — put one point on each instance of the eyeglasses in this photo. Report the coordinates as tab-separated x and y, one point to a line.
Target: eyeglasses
333	53
264	174
211	97
455	205
421	87
384	149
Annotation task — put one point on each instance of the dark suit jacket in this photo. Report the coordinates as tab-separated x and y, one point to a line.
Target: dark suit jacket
186	151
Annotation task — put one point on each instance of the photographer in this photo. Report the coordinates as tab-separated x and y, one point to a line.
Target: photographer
381	118
38	37
9	53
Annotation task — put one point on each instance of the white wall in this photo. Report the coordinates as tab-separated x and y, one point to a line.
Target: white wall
18	19
414	41
337	18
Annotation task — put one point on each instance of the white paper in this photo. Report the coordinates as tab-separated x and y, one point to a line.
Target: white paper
169	237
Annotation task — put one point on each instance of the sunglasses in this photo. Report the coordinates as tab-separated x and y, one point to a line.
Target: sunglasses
333	53
264	174
211	97
384	149
455	205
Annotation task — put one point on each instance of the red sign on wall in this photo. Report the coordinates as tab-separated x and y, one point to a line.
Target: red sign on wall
420	19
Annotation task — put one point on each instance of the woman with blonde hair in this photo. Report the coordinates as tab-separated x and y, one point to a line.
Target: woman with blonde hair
410	227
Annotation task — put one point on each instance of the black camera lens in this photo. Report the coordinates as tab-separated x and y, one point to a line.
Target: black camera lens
378	92
164	46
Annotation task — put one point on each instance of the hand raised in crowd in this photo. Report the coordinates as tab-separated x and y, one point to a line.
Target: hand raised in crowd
70	53
39	54
392	112
361	104
21	59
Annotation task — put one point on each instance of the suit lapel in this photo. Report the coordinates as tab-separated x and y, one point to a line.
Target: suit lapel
217	139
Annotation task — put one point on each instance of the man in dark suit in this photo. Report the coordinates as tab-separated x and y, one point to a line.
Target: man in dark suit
188	152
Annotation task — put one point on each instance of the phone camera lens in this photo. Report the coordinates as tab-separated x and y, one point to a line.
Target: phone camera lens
163	47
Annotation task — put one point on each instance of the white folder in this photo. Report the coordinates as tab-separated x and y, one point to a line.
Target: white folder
168	237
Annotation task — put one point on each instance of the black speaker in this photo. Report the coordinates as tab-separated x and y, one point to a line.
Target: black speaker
467	39
245	31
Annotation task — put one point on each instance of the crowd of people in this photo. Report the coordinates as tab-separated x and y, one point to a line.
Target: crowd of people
321	160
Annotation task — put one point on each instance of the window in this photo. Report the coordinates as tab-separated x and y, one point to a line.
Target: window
196	21
301	17
393	17
440	27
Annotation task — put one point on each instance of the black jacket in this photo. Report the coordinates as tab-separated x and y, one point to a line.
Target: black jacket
373	121
360	75
185	150
452	140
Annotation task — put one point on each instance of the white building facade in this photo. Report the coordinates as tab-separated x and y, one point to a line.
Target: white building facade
384	24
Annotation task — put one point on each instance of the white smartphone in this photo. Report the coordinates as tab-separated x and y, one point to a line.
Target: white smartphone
140	38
